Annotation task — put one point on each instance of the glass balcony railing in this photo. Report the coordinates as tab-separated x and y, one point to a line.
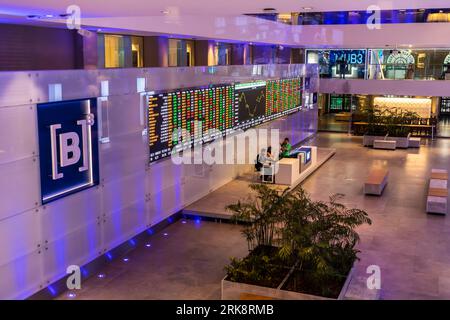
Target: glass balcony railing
405	72
382	64
435	15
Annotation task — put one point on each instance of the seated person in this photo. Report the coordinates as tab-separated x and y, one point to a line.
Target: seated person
260	160
267	174
269	157
286	148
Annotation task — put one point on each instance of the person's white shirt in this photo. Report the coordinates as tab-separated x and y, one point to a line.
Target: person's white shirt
264	159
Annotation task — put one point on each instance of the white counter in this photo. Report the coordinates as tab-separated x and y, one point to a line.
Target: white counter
288	171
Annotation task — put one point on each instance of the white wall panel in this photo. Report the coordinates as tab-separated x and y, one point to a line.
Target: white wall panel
19	186
123	224
165	203
162	175
62	217
124	114
21	277
75	248
123	156
122	81
19	235
17	88
196	186
75	84
18	124
123	192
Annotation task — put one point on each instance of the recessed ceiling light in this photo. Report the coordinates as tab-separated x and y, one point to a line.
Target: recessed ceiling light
165	11
307	8
49	16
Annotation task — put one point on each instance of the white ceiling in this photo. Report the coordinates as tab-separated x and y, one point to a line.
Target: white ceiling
117	8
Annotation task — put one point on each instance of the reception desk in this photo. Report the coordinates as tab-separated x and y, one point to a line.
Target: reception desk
289	171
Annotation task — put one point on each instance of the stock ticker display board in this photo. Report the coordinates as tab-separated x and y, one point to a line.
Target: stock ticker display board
180	119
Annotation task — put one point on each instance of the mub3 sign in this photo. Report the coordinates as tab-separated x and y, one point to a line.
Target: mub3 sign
68	147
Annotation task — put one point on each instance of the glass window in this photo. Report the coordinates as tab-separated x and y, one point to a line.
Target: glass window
174	51
336	63
190	53
426	64
224	54
114	51
137	45
181	53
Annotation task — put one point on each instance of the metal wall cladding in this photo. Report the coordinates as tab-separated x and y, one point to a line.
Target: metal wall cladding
18	133
40	242
19	187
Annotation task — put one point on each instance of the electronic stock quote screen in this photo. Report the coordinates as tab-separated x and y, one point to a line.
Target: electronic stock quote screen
181	118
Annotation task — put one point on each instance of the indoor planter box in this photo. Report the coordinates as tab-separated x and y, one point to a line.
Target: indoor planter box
233	290
368	140
402	142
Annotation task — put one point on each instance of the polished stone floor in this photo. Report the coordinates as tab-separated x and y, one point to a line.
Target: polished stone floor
443	127
328	123
411	247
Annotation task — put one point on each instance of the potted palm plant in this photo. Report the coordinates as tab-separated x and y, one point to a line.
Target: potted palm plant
298	248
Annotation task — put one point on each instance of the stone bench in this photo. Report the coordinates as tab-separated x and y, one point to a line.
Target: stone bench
414	142
376	181
438	192
437	205
439	174
438	184
384	144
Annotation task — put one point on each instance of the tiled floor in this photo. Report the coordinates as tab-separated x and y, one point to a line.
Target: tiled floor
411	247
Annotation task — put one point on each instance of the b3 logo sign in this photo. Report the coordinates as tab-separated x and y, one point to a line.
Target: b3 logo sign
68	147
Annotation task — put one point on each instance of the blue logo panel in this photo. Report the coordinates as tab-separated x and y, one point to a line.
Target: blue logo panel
68	147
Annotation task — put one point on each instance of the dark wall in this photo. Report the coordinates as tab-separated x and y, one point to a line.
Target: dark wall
36	48
156	52
201	52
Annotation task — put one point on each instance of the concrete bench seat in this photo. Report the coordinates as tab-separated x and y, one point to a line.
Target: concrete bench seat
438	192
438	184
439	176
439	171
437	205
414	142
376	181
385	144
